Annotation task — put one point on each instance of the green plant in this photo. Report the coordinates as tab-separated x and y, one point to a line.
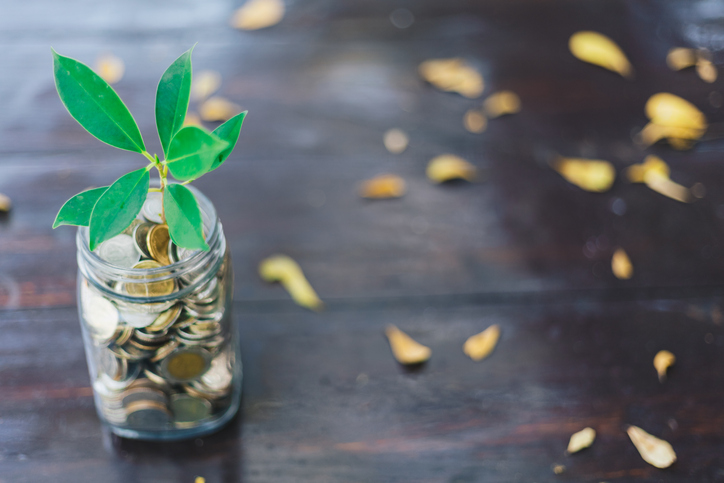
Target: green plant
189	152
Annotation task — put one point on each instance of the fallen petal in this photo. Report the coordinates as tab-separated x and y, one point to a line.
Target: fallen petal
662	361
666	187
5	203
395	141
621	264
501	103
383	186
475	121
636	173
706	70
204	84
589	174
110	68
680	58
281	268
669	110
653	450
453	75
580	440
600	50
479	346
404	348
653	132
192	119
447	167
218	109
258	14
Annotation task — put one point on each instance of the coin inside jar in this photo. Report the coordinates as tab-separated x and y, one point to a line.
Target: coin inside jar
149	289
157	241
189	409
140	236
148	415
153	208
100	315
120	251
186	364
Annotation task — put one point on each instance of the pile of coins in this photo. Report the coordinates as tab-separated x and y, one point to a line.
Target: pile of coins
165	365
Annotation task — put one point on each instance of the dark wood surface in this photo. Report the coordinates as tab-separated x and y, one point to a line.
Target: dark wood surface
324	401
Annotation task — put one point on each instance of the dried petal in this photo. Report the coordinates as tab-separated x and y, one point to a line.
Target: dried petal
670	110
200	479
479	346
218	109
192	119
589	174
5	203
653	132
653	450
447	167
652	164
204	84
581	440
404	348
258	14
663	185
475	121
559	469
662	361
110	68
598	49
680	58
621	264
383	186
706	70
395	141
281	268
453	75
500	103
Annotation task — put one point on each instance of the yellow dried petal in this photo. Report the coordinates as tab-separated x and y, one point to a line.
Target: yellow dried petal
600	50
475	121
589	174
662	361
204	84
680	58
200	479
447	167
559	469
5	203
669	110
479	346
581	440
383	186
653	132
218	109
681	144
621	264
500	103
192	119
395	141
281	268
653	450
663	185
258	14
404	348
453	75
652	164
706	70
110	68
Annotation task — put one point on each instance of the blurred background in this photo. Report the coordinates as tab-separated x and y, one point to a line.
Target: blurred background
519	245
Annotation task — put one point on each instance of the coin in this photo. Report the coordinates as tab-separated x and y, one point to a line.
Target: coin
140	236
112	366
219	375
129	231
165	350
120	251
165	319
153	208
123	335
148	415
188	409
149	289
100	315
135	319
135	394
157	242
186	364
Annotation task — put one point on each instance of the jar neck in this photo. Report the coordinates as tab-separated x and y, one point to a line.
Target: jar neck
193	271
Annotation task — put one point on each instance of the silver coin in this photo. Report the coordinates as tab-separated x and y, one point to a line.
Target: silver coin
148	415
137	320
135	394
100	315
140	237
120	251
112	366
184	253
219	375
153	208
189	409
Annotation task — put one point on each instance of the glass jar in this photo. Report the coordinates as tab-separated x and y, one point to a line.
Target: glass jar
161	344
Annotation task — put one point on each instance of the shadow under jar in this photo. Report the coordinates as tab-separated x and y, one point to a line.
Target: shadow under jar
160	340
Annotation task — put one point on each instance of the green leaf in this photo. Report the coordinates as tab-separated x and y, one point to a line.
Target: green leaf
172	98
192	152
183	217
95	105
116	209
77	210
229	131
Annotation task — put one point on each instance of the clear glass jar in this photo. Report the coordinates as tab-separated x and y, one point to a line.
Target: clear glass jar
161	343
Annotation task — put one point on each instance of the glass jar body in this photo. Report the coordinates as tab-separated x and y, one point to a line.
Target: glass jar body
161	344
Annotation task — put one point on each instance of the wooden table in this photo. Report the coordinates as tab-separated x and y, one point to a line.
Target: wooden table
324	401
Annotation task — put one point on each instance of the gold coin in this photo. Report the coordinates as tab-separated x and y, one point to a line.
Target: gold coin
157	241
150	289
187	364
140	234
